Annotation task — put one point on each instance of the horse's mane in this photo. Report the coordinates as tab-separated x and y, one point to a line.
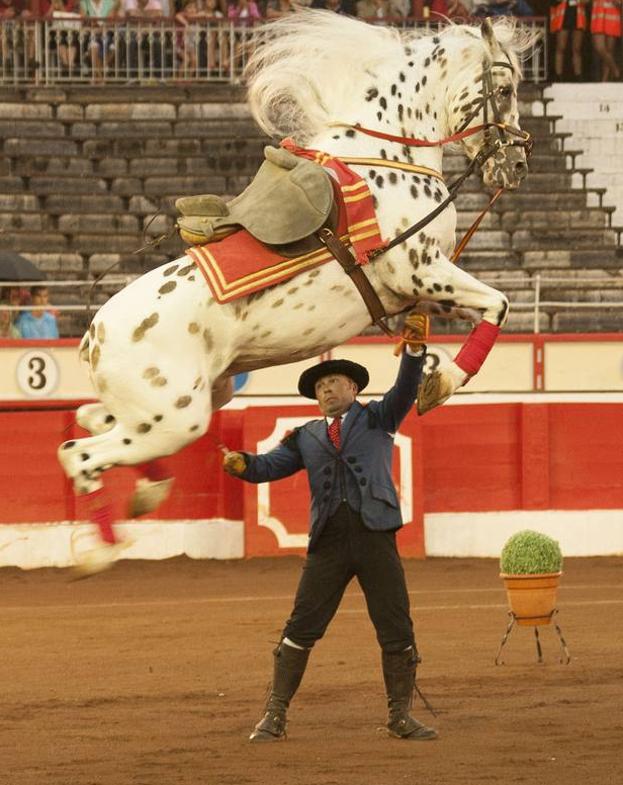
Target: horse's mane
306	66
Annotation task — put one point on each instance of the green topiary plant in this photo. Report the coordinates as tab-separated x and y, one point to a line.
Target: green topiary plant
528	553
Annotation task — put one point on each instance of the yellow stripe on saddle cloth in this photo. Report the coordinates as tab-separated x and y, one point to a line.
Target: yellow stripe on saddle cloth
240	265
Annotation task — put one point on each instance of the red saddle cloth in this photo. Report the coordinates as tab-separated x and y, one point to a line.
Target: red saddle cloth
239	264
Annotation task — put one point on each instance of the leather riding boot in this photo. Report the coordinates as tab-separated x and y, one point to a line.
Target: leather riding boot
399	674
289	667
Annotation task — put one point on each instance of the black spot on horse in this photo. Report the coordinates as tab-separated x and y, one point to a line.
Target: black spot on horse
144	427
448	288
427	191
350	133
379	115
383	102
393	90
84	456
410	63
157	418
170	270
414	192
448	303
424	80
393	178
401	110
127	441
379	181
417	87
384	154
437	196
67	445
437	287
401	76
427	62
371	94
109	418
372	173
413	258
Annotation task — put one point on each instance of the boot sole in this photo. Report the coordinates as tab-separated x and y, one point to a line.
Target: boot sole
414	736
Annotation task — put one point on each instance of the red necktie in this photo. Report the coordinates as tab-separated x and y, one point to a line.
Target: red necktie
334	432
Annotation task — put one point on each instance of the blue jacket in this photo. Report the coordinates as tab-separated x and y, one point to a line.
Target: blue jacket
360	473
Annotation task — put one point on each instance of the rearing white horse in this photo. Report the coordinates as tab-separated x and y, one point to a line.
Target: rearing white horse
162	351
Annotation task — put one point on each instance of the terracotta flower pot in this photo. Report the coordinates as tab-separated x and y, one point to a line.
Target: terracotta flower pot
532	598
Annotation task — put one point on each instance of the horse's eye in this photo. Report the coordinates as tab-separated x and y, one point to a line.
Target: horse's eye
506	91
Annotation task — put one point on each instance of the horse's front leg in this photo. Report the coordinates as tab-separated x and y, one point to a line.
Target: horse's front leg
455	292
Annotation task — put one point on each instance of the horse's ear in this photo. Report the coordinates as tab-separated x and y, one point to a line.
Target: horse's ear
488	36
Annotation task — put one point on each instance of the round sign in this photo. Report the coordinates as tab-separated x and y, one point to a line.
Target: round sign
37	374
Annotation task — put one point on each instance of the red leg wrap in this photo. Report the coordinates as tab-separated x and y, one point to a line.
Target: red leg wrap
101	515
474	351
154	470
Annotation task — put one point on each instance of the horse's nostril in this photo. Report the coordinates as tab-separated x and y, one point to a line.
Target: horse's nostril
521	169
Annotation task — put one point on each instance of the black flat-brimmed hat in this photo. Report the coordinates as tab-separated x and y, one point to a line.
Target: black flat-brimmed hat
354	371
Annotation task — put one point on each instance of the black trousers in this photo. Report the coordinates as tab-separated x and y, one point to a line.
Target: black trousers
345	549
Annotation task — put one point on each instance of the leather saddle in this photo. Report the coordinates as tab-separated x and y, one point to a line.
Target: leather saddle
289	200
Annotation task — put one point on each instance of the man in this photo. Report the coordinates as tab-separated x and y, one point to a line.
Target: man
39	322
354	517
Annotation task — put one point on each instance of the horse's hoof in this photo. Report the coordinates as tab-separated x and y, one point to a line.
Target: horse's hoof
148	495
433	391
98	559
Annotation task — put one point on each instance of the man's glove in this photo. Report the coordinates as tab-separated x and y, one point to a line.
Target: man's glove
234	463
414	333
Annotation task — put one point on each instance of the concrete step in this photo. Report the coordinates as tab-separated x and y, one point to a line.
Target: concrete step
599	257
554	238
82	203
590	218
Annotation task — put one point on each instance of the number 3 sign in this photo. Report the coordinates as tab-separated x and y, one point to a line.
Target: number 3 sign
37	374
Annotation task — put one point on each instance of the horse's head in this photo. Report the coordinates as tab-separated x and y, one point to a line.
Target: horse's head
489	102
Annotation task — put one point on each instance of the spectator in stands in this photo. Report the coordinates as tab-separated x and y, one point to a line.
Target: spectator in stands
192	12
39	322
502	8
100	46
8	327
568	16
64	37
346	7
149	50
381	10
243	11
452	9
278	8
605	29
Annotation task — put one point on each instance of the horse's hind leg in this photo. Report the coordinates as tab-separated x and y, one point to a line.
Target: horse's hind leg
154	485
456	292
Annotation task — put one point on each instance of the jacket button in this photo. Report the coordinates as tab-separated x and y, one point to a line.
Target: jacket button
327	470
358	469
351	459
327	485
363	481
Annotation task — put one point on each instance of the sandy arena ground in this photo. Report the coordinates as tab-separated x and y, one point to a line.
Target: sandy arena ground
155	673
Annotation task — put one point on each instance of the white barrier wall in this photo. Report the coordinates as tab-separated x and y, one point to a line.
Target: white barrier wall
594	114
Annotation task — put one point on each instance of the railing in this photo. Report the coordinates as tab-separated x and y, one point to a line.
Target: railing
108	286
90	51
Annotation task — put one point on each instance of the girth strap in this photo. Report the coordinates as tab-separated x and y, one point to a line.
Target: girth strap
357	276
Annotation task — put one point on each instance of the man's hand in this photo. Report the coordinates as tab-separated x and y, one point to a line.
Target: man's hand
414	333
234	463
